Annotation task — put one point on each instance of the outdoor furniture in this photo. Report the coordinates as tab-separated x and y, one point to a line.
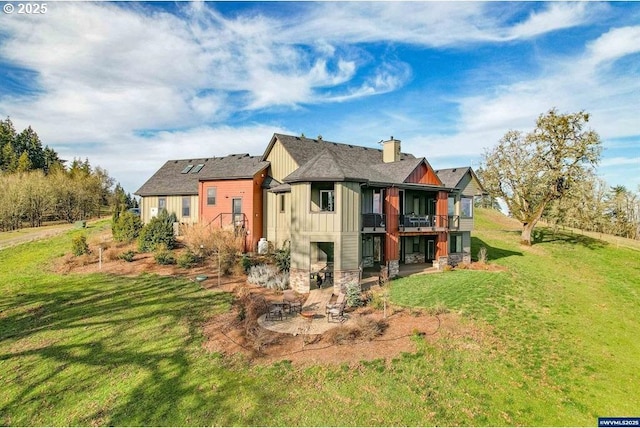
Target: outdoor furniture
336	313
294	305
273	311
339	301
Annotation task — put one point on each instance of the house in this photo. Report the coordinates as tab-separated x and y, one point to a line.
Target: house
342	208
221	191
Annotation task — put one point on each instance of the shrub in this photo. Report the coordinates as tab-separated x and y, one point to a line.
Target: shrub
246	263
260	274
482	255
279	281
188	260
79	245
163	256
127	256
365	328
126	227
158	231
354	295
282	258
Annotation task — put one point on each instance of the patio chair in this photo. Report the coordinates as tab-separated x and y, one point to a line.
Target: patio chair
289	297
336	313
273	312
339	301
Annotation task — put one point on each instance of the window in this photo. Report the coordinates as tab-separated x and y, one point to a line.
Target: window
466	207
322	197
211	195
162	203
197	168
186	169
416	244
451	205
186	206
455	244
326	200
281	198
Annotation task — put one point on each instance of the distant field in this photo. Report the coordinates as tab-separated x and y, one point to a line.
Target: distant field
551	341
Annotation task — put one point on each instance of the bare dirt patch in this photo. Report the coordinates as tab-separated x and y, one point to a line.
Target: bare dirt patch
232	334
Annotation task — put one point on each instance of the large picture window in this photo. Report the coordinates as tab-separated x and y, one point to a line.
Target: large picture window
211	196
466	207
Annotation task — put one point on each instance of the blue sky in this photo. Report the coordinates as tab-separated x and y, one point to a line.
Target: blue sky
132	84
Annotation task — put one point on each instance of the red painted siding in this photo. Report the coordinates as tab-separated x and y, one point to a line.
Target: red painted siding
249	190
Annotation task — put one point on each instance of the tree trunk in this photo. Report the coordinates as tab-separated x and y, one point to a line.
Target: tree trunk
525	237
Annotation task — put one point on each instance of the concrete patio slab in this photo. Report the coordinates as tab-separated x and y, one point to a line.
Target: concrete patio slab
297	324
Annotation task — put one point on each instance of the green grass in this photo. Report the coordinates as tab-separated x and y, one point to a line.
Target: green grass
551	341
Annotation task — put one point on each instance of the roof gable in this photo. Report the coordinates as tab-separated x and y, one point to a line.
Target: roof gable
181	176
455	178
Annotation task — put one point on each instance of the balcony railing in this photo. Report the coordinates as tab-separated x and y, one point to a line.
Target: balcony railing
413	222
235	221
373	222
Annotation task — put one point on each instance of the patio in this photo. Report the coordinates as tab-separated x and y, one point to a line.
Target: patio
296	324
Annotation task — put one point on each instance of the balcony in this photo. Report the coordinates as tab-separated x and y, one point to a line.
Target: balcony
373	223
427	223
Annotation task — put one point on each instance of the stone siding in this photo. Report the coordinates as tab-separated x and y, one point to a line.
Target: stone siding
344	277
413	258
299	280
394	268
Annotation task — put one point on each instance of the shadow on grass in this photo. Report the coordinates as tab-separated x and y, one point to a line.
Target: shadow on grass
146	332
493	253
545	234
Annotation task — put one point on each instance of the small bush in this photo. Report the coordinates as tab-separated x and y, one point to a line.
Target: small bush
354	295
79	245
126	227
246	262
365	328
159	231
282	258
111	254
164	257
267	276
127	256
188	260
482	255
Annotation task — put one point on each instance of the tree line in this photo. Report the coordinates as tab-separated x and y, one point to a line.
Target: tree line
549	174
37	186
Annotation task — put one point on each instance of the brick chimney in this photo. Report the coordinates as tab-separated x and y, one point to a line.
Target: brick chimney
391	150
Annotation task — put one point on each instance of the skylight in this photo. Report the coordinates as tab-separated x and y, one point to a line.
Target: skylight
186	169
197	168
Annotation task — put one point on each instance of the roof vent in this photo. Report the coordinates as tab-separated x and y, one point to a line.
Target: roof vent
319	137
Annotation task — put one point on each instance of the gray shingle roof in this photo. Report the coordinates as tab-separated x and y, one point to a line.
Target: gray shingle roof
169	179
322	160
451	177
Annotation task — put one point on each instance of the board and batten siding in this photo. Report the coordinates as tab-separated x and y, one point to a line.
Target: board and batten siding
174	205
277	224
469	186
341	227
282	164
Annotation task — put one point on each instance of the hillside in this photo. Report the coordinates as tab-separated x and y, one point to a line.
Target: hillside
551	340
